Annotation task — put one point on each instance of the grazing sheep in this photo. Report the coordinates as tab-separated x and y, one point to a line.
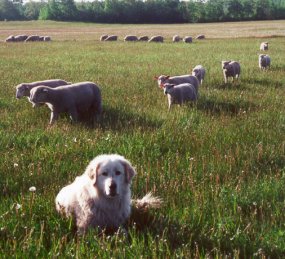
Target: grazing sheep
143	38
231	69
199	71
41	38
47	38
19	38
264	61
33	38
187	39
157	38
75	99
264	46
24	89
103	37
179	94
176	38
177	80
111	38
131	38
200	37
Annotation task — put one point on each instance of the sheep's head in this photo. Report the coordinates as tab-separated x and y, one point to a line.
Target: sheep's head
39	94
167	88
22	90
225	64
161	80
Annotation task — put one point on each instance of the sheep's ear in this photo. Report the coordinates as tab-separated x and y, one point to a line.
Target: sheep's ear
93	172
129	171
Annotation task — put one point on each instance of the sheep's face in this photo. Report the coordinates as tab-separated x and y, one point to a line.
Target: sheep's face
168	88
161	80
225	65
195	72
39	94
22	90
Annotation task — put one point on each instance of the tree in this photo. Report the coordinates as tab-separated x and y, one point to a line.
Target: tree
8	11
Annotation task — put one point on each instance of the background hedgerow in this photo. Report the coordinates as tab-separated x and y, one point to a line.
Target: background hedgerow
219	164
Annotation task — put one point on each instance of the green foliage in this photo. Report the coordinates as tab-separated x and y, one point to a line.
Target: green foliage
219	164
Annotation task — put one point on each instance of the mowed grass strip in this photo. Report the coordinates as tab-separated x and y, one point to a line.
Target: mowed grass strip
217	164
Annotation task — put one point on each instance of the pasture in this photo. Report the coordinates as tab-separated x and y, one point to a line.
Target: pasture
219	164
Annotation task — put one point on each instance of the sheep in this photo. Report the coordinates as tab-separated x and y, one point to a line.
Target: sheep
176	80
19	38
264	46
199	71
47	38
157	38
24	89
176	38
103	37
143	38
111	38
179	94
33	38
41	38
264	61
75	99
131	38
11	38
187	39
200	37
231	69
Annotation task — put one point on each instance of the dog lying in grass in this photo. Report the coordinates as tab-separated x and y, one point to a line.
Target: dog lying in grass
101	197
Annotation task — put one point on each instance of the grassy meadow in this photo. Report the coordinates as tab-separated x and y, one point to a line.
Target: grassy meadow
219	164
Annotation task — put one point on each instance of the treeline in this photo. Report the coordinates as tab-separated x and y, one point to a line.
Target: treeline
144	11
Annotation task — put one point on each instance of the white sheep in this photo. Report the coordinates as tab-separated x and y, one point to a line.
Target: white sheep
157	38
24	89
231	69
264	46
199	71
10	38
264	61
200	37
176	38
187	39
75	99
179	94
33	38
177	80
131	38
47	38
103	37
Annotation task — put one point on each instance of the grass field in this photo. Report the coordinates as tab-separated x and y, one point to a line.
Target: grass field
219	165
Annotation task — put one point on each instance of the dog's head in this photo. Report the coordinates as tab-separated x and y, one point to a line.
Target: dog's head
111	174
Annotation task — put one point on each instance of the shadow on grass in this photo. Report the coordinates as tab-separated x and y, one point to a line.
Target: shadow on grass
265	82
236	85
214	107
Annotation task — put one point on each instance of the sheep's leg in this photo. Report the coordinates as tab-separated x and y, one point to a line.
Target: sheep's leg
53	117
73	114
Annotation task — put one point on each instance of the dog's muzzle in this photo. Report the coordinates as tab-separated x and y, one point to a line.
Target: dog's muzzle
113	189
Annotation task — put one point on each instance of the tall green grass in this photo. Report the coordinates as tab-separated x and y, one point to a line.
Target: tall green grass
219	164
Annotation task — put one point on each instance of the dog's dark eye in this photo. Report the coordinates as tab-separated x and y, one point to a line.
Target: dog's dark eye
118	173
105	173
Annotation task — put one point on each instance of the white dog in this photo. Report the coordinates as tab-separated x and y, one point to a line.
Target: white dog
101	197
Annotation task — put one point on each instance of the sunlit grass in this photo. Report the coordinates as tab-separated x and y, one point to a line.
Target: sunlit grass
218	164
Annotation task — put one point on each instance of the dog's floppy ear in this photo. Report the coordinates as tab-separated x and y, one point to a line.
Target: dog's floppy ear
129	171
92	172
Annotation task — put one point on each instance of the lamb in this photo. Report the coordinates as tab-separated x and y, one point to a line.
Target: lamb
176	80
176	38
264	46
143	38
75	99
157	38
187	39
24	89
200	37
131	38
111	38
231	69
199	71
103	37
264	61
179	94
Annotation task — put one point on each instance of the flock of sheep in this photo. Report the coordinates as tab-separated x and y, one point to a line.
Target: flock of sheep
157	38
27	38
85	97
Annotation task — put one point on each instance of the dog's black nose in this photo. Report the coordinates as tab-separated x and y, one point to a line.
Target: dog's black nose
113	186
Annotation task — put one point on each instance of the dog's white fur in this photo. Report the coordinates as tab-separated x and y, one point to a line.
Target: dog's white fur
101	197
